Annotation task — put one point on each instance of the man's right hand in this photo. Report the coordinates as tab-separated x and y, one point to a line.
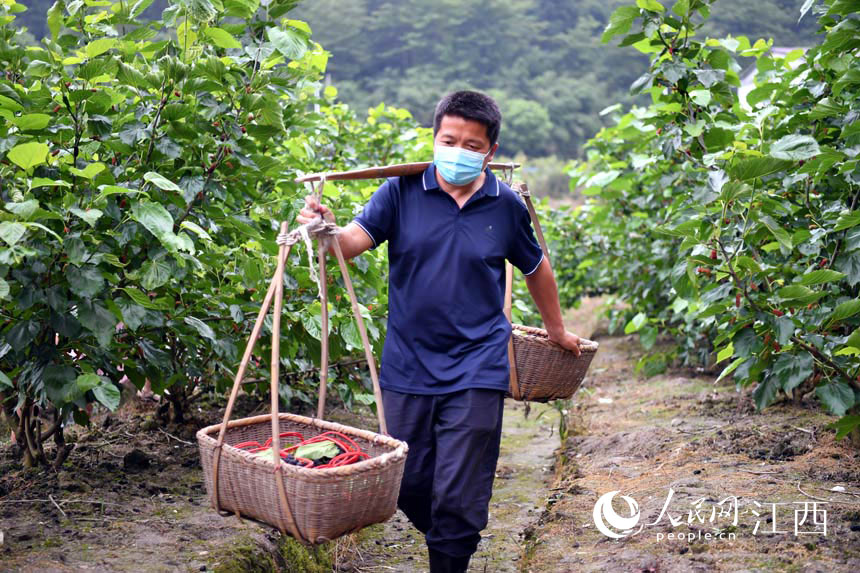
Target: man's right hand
353	239
312	210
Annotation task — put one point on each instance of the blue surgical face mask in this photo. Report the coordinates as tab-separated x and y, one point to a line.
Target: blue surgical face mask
458	166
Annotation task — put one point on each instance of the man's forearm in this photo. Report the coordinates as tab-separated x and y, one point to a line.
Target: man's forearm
352	240
544	291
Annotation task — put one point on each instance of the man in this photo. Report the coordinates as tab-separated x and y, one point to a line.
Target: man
444	365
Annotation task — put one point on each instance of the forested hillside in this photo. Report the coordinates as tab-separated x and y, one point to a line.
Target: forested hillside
542	59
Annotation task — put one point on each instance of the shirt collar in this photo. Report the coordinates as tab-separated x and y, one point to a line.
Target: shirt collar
490	188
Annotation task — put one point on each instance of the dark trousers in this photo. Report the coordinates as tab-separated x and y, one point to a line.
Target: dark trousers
453	449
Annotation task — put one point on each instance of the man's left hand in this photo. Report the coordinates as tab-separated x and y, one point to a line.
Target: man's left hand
567	340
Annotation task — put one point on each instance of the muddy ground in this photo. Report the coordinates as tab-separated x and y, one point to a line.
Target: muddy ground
706	442
131	496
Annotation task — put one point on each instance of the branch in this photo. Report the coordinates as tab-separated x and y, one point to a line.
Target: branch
828	361
212	168
736	278
163	102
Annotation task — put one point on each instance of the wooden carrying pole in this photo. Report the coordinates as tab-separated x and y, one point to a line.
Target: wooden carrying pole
384	171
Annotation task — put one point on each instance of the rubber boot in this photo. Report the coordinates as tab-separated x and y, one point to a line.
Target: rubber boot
444	563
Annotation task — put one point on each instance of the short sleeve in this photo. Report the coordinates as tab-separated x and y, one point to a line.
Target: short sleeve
378	216
525	252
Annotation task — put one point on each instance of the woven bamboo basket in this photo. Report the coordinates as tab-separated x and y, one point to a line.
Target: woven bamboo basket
311	505
541	370
544	370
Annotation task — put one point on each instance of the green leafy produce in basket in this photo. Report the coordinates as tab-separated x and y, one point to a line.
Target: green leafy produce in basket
320	452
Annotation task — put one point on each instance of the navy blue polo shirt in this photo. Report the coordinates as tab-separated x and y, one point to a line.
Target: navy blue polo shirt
446	327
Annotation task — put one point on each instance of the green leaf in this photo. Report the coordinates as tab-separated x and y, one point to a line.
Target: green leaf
65	323
620	22
108	394
805	8
289	42
821	276
790	370
651	5
196	229
222	38
32	121
108	190
154	274
88	215
731	368
143	300
795	147
45	182
784	329
28	155
60	383
726	352
778	232
89	171
85	282
845	425
312	322
5	381
24	209
792	292
201	327
154	217
132	314
849	263
98	320
4	289
847	221
848	351
845	310
317	450
837	397
161	182
701	97
11	232
86	382
635	323
98	47
647	337
854	339
22	334
765	393
753	167
350	335
681	8
55	18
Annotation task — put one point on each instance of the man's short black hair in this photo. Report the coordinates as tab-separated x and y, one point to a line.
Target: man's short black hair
470	105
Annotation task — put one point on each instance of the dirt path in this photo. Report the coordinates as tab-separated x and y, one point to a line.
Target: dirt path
706	443
523	478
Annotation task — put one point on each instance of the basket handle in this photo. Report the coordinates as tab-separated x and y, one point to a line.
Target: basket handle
362	332
509	284
323	247
523	190
276	291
